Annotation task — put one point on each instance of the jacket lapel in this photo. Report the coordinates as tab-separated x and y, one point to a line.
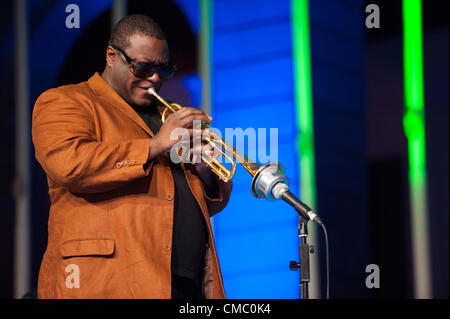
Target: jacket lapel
107	94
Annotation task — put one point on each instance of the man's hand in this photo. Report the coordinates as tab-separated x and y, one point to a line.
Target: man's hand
183	118
207	176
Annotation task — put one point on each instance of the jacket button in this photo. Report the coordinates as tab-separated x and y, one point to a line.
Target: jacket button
166	247
169	196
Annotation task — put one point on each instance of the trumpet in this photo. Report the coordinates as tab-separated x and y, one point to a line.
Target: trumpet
264	177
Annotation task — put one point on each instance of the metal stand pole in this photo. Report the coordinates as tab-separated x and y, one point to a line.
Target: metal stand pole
304	250
22	178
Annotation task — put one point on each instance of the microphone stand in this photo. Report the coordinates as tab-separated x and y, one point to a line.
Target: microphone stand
303	264
270	182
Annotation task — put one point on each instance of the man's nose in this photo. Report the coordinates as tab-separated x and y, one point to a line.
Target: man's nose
155	78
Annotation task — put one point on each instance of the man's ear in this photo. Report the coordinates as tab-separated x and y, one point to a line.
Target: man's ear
111	56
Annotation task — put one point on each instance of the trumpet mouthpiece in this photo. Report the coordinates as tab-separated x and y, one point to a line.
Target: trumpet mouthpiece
151	91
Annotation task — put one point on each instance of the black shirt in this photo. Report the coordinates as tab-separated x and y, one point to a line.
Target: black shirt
189	229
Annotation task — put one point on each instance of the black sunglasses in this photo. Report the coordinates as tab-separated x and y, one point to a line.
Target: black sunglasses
143	70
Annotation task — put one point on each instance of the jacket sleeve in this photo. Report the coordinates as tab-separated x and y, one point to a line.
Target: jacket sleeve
218	202
66	146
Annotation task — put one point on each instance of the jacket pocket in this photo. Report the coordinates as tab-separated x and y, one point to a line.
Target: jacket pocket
88	247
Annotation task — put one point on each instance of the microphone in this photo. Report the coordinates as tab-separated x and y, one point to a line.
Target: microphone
270	182
281	190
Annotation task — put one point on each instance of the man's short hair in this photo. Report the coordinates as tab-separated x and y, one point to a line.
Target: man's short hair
132	24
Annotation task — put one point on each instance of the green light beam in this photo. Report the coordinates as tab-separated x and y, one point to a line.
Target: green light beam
414	127
304	122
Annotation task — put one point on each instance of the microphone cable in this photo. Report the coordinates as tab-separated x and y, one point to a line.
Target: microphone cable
327	259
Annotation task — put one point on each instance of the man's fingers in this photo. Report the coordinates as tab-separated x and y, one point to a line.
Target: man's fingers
188	112
204	149
188	121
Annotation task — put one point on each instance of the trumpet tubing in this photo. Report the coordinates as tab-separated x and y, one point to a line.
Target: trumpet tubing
219	144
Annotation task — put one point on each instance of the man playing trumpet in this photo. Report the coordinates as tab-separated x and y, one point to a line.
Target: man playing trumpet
125	221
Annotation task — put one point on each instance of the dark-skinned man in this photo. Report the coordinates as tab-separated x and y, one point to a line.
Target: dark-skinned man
125	220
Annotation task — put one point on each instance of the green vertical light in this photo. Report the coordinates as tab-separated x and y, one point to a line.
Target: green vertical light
414	126
205	53
304	120
303	99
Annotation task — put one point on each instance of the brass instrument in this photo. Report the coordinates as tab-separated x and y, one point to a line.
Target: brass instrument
264	177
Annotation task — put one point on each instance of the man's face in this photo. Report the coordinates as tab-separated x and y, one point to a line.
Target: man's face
143	49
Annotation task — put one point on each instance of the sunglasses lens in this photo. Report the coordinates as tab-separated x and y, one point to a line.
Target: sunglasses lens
144	70
166	71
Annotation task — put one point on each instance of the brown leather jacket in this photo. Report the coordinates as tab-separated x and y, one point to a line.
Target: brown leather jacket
110	221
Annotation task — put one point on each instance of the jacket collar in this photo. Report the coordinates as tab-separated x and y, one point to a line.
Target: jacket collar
108	94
